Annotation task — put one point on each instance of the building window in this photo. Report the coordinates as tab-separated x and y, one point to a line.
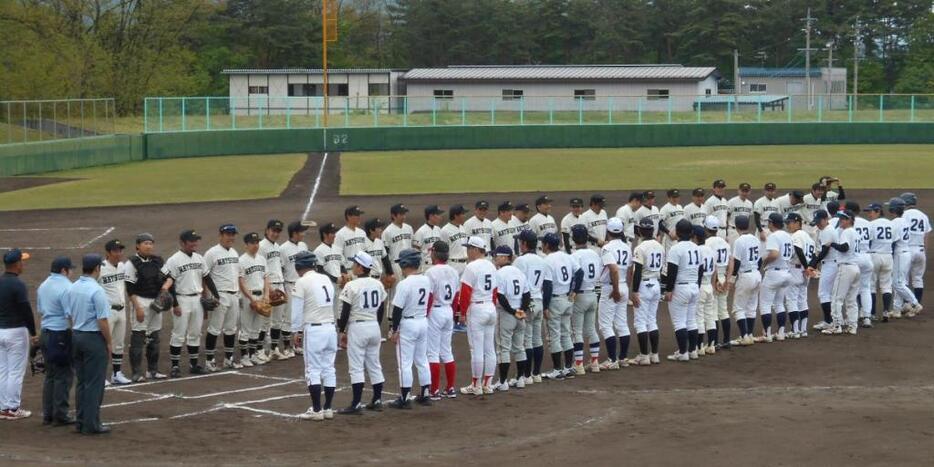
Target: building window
447	94
338	90
657	94
259	90
707	92
585	94
378	89
303	90
838	86
512	94
757	87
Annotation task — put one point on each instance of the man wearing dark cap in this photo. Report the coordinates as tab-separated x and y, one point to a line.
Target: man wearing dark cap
793	201
478	225
696	211
504	232
17	333
542	222
445	283
569	220
187	275
56	343
761	209
224	270
745	280
350	239
289	249
717	204
627	214
113	280
330	261
520	218
880	251
428	234
397	236
275	270
779	251
382	265
846	287
455	235
254	287
813	202
87	306
669	215
595	219
797	294
143	275
739	205
649	211
826	259
864	262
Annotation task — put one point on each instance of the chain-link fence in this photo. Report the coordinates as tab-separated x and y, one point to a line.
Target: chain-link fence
48	120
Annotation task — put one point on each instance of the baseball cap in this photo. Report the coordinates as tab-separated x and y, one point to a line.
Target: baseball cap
114	245
363	259
328	228
699	232
433	209
817	186
61	262
844	214
819	215
144	237
896	203
792	217
305	260
797	194
852	206
710	222
251	237
481	205
872	207
673	193
698	192
614	224
646	224
544	199
719	183
579	232
648	195
297	226
353	211
476	242
373	224
398	209
524	207
551	239
456	210
577	202
770	186
409	257
505	206
635	195
777	219
228	228
527	236
274	224
741	222
909	198
91	260
597	198
189	236
745	186
502	250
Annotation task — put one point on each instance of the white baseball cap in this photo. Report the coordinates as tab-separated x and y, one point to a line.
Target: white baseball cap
477	242
363	259
711	223
615	225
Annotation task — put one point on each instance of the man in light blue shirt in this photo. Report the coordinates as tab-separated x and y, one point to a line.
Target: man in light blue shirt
87	306
56	344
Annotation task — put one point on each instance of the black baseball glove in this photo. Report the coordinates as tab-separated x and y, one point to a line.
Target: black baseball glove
209	303
162	302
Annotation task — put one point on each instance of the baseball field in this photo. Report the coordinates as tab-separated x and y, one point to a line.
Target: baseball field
865	399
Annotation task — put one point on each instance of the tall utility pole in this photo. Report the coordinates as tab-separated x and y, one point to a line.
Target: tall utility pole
829	81
737	86
856	59
807	54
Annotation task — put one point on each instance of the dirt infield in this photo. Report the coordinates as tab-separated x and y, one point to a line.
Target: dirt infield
20	183
867	399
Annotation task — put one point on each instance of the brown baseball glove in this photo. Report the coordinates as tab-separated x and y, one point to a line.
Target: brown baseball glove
162	302
277	297
262	308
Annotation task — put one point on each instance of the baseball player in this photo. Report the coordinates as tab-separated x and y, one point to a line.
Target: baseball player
669	215
719	286
397	236
445	283
288	250
512	299
143	277
706	315
569	220
520	218
254	288
846	285
762	208
717	205
745	280
779	251
792	201
186	273
455	235
796	297
813	202
584	313
595	220
478	225
410	308
478	284
827	259
880	250
904	301
739	205
504	232
648	258
682	289
350	239
919	226
329	260
275	271
827	182
374	246
312	322
627	214
648	210
534	268
359	333
864	262
428	234
615	259
696	210
224	269
113	279
562	270
542	222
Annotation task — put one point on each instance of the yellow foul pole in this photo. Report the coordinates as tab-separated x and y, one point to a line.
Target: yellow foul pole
324	56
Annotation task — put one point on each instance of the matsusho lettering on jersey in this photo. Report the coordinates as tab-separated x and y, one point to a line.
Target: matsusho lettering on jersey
272	254
227	260
111	278
190	267
254	269
400	237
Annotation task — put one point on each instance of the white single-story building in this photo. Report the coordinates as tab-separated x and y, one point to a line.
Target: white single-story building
828	85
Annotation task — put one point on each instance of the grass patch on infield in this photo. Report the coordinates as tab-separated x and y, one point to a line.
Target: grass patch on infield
161	181
546	170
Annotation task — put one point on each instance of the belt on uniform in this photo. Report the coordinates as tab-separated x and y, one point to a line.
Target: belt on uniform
116	307
320	324
844	264
257	293
587	291
685	283
828	261
374	276
480	302
798	266
409	317
276	283
458	260
189	294
779	269
363	321
559	295
290	282
231	292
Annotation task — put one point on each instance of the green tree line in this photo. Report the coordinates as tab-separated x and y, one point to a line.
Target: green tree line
130	49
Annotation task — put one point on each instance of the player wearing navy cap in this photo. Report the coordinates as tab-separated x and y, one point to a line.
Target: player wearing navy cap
880	251
275	268
718	206
542	222
540	287
563	271
455	235
627	214
478	225
187	274
512	301
696	211
595	220
739	205
583	318
572	218
428	233
113	279
615	258
223	266
254	288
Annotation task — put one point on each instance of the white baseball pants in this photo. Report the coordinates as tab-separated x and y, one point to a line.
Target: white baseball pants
481	329
772	290
613	318
683	306
363	343
511	336
583	318
746	294
251	322
881	272
864	263
440	331
646	319
413	349
14	353
720	300
918	265
559	324
846	288
533	326
152	321
186	329
825	285
280	317
319	347
900	270
796	296
706	308
117	323
223	319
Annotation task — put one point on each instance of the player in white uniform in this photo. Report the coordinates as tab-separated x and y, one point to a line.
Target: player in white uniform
719	288
648	211
584	315
328	260
790	202
595	219
477	291
880	251
696	211
534	268
359	333
512	301
706	315
288	250
455	235
669	215
312	322
616	258
542	222
745	280
739	205
376	248
269	249
919	226
779	251
185	273
520	219
682	290
478	225
254	288
224	269
812	202
504	232
904	302
762	208
445	283
796	297
717	205
350	238
410	308
569	220
428	234
827	259
144	279
864	262
397	236
627	214
648	258
846	283
113	279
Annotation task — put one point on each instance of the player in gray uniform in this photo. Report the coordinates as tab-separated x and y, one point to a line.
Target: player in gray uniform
569	220
186	273
542	222
288	250
534	268
627	214
223	266
739	205
455	235
562	270
113	279
478	225
696	211
718	206
254	287
330	261
275	269
428	234
513	299
584	314
647	211
503	232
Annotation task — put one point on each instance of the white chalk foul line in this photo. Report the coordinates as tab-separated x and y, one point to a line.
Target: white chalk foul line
237	391
138	401
89	242
107	231
314	189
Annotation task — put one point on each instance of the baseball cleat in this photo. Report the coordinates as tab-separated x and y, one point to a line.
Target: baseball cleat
352	410
851	330
288	353
435	396
472	390
488	389
376	406
519	383
711	349
209	366
679	357
176	372
803	334
528	380
297	351
642	360
781	335
609	365
655	359
245	362
895	314
258	359
328	414
503	387
139	379
197	370
594	366
155	375
424	401
107	383
820	326
832	330
867	323
554	375
579	369
918	308
569	373
624	362
400	404
450	393
119	378
310	414
693	355
276	355
10	414
537	378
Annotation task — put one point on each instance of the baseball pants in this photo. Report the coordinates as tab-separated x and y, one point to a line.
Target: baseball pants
559	324
706	308
720	299
413	349
772	291
280	319
90	362
117	323
613	317
319	347
533	325
481	330
223	319
746	295
440	331
511	334
14	353
186	329
363	342
846	288
825	284
683	306
251	322
900	274
59	374
796	296
646	319
918	264
583	318
864	263
152	321
731	235
881	272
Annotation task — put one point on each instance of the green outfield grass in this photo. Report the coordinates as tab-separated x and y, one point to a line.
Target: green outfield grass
161	181
544	170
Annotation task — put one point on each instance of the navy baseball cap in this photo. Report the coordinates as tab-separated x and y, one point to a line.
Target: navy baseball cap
698	192
646	223
699	232
597	199
433	209
14	256
114	245
328	228
636	195
189	236
522	207
409	257
353	211
544	199
741	222
274	224
777	219
251	237
797	194
673	193
579	231
305	260
505	206
792	217
770	186
844	215
457	210
297	226
527	236
577	203
551	239
719	183
373	224
745	187
62	262
481	205
819	215
648	195
228	229
872	207
502	250
398	209
91	260
144	237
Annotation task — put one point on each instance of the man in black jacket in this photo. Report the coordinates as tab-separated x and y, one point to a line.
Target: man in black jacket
143	281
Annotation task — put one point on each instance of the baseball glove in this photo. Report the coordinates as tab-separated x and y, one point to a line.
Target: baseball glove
262	308
209	303
162	302
36	360
277	297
